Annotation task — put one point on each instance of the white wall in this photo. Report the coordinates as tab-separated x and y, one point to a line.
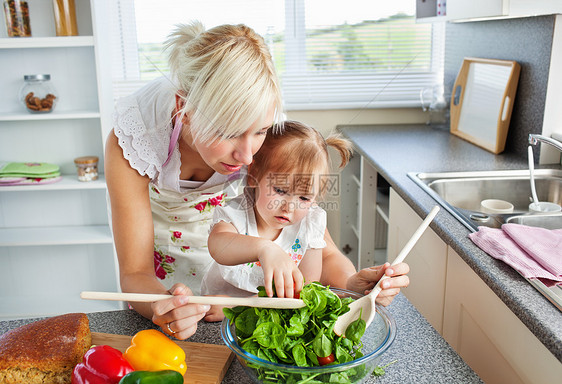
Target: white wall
552	122
327	120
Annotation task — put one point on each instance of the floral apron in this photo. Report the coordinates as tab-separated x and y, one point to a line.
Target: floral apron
181	229
182	221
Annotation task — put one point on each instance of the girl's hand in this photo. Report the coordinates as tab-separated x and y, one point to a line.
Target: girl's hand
215	314
364	281
278	267
176	316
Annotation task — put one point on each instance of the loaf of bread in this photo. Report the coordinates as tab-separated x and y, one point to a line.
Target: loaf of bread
44	351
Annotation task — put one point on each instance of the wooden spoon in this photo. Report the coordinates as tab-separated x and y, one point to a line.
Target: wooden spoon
365	306
263	302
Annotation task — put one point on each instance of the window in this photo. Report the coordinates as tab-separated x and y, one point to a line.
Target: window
328	53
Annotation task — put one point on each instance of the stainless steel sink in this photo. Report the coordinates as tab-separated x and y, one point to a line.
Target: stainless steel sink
548	221
461	193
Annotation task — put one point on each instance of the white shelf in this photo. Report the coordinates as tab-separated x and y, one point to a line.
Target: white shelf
68	182
55	115
382	213
356	180
67	235
355	231
60	232
383	207
46	42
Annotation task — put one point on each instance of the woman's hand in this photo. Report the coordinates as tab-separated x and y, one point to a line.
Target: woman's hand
176	316
365	280
278	267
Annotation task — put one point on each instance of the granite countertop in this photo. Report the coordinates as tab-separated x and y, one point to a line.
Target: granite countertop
421	354
395	150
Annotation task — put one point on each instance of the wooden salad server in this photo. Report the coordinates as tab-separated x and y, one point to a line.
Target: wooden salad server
262	302
365	306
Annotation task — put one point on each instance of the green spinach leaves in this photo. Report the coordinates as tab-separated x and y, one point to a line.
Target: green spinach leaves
301	337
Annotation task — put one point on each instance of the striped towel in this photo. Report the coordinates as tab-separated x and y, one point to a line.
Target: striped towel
532	251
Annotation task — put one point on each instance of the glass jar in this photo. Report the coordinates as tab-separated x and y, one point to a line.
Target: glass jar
38	94
87	167
17	18
65	17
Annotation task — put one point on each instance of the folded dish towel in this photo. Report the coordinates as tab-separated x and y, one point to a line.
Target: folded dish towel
532	251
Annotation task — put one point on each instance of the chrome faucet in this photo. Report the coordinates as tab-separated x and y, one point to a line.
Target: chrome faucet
534	139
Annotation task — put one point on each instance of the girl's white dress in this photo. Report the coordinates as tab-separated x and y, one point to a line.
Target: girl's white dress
243	279
181	210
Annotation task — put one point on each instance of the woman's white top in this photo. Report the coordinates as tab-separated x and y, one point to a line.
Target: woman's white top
181	210
244	279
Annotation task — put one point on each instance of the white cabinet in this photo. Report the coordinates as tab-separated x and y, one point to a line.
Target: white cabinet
462	10
488	336
429	10
458	10
364	215
55	239
427	261
468	314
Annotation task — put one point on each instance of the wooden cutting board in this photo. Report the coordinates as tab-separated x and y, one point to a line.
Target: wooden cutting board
206	363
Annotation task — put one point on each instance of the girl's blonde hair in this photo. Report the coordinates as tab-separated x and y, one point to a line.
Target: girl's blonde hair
296	154
226	76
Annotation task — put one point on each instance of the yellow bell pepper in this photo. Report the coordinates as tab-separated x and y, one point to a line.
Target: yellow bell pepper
151	350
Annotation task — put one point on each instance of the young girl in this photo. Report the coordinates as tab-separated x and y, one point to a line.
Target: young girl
274	232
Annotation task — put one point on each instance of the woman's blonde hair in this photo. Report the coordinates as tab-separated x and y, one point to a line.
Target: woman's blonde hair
226	76
297	153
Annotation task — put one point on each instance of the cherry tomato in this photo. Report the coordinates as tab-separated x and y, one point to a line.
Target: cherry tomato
296	295
326	360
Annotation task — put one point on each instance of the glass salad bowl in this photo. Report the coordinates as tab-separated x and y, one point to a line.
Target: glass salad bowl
375	341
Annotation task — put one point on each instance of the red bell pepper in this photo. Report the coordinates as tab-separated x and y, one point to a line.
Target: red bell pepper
101	364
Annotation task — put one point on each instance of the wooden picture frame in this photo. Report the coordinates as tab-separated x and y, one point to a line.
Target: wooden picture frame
482	101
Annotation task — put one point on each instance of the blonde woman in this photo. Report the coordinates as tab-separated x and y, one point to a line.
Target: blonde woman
179	148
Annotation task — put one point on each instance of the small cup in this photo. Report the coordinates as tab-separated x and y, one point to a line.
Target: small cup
543	207
496	206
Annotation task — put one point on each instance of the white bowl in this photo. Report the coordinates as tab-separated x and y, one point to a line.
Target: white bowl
496	206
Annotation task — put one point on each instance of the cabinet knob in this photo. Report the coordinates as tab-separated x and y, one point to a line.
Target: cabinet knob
347	249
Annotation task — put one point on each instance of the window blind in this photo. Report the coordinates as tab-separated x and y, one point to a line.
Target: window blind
328	54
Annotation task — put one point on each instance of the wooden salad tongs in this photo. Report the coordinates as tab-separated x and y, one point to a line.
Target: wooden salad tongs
261	302
364	307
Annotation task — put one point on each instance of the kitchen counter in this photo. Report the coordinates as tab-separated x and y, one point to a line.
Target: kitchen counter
395	150
421	354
